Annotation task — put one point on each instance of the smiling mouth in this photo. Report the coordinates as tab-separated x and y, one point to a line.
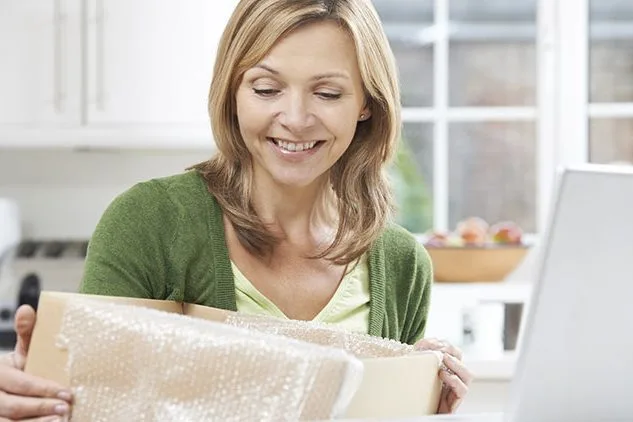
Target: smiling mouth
295	146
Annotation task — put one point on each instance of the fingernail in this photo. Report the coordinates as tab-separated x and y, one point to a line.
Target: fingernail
61	409
65	395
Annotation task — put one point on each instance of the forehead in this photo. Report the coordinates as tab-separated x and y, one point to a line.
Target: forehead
314	48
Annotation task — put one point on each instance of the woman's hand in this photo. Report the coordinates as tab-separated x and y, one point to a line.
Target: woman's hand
24	397
454	374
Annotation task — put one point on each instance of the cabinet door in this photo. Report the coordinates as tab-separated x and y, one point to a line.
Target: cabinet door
150	61
40	68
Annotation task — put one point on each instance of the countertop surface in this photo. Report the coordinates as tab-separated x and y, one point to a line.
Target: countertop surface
491	368
476	417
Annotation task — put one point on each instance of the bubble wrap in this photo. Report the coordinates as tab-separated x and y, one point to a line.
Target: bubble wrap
359	344
130	363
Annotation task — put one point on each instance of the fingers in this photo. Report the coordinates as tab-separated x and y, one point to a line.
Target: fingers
436	344
458	368
455	378
6	359
39	419
455	383
14	381
457	392
448	401
47	419
24	323
454	374
19	407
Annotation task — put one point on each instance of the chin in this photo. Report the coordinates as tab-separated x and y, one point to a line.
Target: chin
295	180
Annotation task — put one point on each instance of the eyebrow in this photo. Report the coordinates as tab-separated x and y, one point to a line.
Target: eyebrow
326	75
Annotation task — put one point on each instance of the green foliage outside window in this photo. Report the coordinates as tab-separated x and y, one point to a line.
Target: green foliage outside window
411	191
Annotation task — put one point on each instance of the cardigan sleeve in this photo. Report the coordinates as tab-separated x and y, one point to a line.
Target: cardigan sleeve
419	296
128	251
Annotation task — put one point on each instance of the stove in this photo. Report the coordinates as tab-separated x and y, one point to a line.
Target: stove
39	265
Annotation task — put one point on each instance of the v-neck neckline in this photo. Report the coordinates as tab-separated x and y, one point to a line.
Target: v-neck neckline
225	297
321	316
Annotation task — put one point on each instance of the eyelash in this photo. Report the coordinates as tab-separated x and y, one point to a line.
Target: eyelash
267	93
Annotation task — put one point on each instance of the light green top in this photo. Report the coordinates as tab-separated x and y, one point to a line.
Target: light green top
164	239
348	307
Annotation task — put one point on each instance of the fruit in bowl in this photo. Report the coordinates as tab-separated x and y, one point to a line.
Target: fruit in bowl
436	239
473	230
476	251
506	232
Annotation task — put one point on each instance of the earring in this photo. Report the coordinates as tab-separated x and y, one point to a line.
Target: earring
362	116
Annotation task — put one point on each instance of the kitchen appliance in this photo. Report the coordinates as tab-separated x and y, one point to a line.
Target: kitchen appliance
35	266
25	264
10	235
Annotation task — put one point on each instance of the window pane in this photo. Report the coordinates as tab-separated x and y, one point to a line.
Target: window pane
412	177
611	10
407	24
492	53
492	74
611	51
611	71
493	10
415	67
492	172
610	141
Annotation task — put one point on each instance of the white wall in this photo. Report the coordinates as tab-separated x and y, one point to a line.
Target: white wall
63	193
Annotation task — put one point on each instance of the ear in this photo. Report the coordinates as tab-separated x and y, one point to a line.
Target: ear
365	114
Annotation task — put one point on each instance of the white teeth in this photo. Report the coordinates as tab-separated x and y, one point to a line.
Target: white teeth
295	147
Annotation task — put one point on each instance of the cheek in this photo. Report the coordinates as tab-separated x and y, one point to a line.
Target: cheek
344	127
252	119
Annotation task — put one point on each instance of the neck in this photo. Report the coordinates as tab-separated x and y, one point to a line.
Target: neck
296	214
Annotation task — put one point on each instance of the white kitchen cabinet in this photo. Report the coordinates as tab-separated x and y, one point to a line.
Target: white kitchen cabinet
108	73
40	67
150	62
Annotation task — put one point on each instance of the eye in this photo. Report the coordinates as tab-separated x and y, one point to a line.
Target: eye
328	95
266	92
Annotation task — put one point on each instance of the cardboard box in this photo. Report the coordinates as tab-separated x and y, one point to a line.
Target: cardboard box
391	387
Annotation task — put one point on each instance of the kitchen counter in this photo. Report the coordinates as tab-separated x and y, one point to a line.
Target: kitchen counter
492	368
475	417
452	299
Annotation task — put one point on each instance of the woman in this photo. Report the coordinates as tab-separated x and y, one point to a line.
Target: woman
291	217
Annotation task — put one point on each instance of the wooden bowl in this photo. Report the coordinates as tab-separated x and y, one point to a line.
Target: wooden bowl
475	263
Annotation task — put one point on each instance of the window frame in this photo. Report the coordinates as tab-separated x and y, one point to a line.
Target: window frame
561	112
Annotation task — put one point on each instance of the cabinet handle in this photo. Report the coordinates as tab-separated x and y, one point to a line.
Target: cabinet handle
100	54
59	94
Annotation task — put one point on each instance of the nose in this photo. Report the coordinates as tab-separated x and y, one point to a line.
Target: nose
296	114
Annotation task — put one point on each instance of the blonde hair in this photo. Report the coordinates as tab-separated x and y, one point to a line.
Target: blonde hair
360	191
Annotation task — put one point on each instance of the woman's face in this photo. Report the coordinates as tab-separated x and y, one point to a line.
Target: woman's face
298	108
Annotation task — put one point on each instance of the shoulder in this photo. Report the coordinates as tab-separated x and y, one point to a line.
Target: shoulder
403	250
189	181
175	188
159	205
165	193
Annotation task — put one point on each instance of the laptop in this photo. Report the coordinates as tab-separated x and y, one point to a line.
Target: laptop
575	360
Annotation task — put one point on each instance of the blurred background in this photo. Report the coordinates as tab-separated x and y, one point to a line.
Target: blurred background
96	95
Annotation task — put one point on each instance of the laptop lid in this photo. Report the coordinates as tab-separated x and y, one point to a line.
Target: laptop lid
576	350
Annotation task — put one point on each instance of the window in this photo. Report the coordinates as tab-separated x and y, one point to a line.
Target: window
611	81
495	100
468	74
